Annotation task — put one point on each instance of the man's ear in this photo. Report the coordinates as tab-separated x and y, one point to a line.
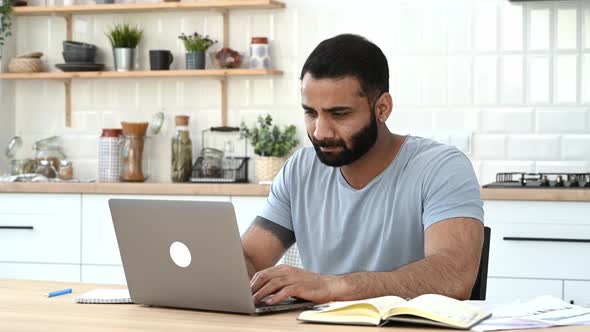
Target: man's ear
383	107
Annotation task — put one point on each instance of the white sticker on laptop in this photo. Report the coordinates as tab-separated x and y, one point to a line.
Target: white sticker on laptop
180	254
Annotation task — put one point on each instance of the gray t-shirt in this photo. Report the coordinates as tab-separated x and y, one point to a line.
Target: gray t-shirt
380	227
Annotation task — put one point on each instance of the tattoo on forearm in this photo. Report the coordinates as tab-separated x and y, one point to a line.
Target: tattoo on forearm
285	235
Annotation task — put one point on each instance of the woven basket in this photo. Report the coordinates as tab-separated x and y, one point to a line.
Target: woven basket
25	65
268	167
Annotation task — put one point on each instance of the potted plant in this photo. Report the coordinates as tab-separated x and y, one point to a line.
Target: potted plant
124	40
5	21
196	45
271	146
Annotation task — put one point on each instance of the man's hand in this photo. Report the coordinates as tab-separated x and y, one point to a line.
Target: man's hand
283	281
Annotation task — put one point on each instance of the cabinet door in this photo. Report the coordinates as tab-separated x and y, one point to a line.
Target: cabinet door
42	228
543	251
99	244
50	272
103	274
247	208
577	292
510	289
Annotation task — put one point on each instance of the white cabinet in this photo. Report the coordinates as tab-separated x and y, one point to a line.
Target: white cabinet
101	261
53	272
536	248
40	228
539	251
247	209
103	274
510	289
577	292
99	244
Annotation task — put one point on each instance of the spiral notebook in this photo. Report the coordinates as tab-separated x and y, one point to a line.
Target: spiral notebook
105	296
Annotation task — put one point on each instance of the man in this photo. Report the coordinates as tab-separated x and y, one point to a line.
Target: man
373	213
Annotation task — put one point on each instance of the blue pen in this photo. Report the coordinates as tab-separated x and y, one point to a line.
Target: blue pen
59	292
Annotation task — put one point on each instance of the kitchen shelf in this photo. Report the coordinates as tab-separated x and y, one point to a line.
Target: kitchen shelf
94	9
211	73
222	6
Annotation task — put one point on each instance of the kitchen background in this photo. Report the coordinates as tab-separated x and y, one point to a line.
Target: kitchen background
507	82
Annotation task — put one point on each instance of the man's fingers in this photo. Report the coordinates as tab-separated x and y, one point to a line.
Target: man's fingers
271	287
261	278
283	294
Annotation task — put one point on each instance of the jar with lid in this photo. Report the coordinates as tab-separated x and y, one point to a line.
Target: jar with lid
259	53
109	160
49	149
182	149
66	170
45	168
211	163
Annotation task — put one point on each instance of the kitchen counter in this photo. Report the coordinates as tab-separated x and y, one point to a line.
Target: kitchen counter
250	189
565	195
245	189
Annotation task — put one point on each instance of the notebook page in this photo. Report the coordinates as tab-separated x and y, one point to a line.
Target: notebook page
446	307
104	296
381	303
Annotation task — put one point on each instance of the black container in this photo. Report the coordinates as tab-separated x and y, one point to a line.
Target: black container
160	59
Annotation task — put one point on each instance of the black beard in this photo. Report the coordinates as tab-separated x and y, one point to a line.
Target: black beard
361	143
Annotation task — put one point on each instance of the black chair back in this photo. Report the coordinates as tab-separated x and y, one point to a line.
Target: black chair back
479	289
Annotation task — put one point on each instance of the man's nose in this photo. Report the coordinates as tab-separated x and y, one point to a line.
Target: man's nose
323	129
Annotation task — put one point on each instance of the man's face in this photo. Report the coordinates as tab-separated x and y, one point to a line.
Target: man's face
339	121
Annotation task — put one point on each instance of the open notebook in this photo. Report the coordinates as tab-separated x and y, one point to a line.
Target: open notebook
104	296
429	309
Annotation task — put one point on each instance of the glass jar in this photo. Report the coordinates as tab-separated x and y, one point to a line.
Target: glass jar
49	149
182	151
211	163
135	165
22	166
66	170
45	168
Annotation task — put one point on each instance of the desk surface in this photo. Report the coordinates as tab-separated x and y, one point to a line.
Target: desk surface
23	307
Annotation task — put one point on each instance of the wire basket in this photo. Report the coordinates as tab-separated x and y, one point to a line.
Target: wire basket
213	167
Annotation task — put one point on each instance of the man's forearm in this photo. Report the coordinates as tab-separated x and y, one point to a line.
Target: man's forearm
434	274
249	266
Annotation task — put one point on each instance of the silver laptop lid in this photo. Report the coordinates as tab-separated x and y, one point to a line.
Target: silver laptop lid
153	234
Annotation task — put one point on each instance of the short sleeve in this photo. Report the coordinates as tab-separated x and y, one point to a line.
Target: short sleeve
451	190
278	203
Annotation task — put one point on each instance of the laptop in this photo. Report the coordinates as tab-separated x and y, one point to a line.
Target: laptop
186	254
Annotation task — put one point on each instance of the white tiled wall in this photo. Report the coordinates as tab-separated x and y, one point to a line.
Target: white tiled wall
507	82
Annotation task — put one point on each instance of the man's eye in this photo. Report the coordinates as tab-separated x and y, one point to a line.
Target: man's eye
340	114
310	113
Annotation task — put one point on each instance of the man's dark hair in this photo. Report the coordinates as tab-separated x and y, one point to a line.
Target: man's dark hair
350	55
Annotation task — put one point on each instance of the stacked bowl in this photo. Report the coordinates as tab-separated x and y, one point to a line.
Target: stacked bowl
79	57
78	52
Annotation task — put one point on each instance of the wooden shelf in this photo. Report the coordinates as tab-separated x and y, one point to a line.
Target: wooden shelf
222	5
211	73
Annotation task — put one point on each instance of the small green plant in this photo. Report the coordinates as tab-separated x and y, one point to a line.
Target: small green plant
124	36
269	140
196	42
5	20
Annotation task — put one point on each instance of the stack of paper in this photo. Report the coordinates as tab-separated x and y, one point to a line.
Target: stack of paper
544	311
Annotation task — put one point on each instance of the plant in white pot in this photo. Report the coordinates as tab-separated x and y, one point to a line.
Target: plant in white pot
271	146
124	40
196	45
